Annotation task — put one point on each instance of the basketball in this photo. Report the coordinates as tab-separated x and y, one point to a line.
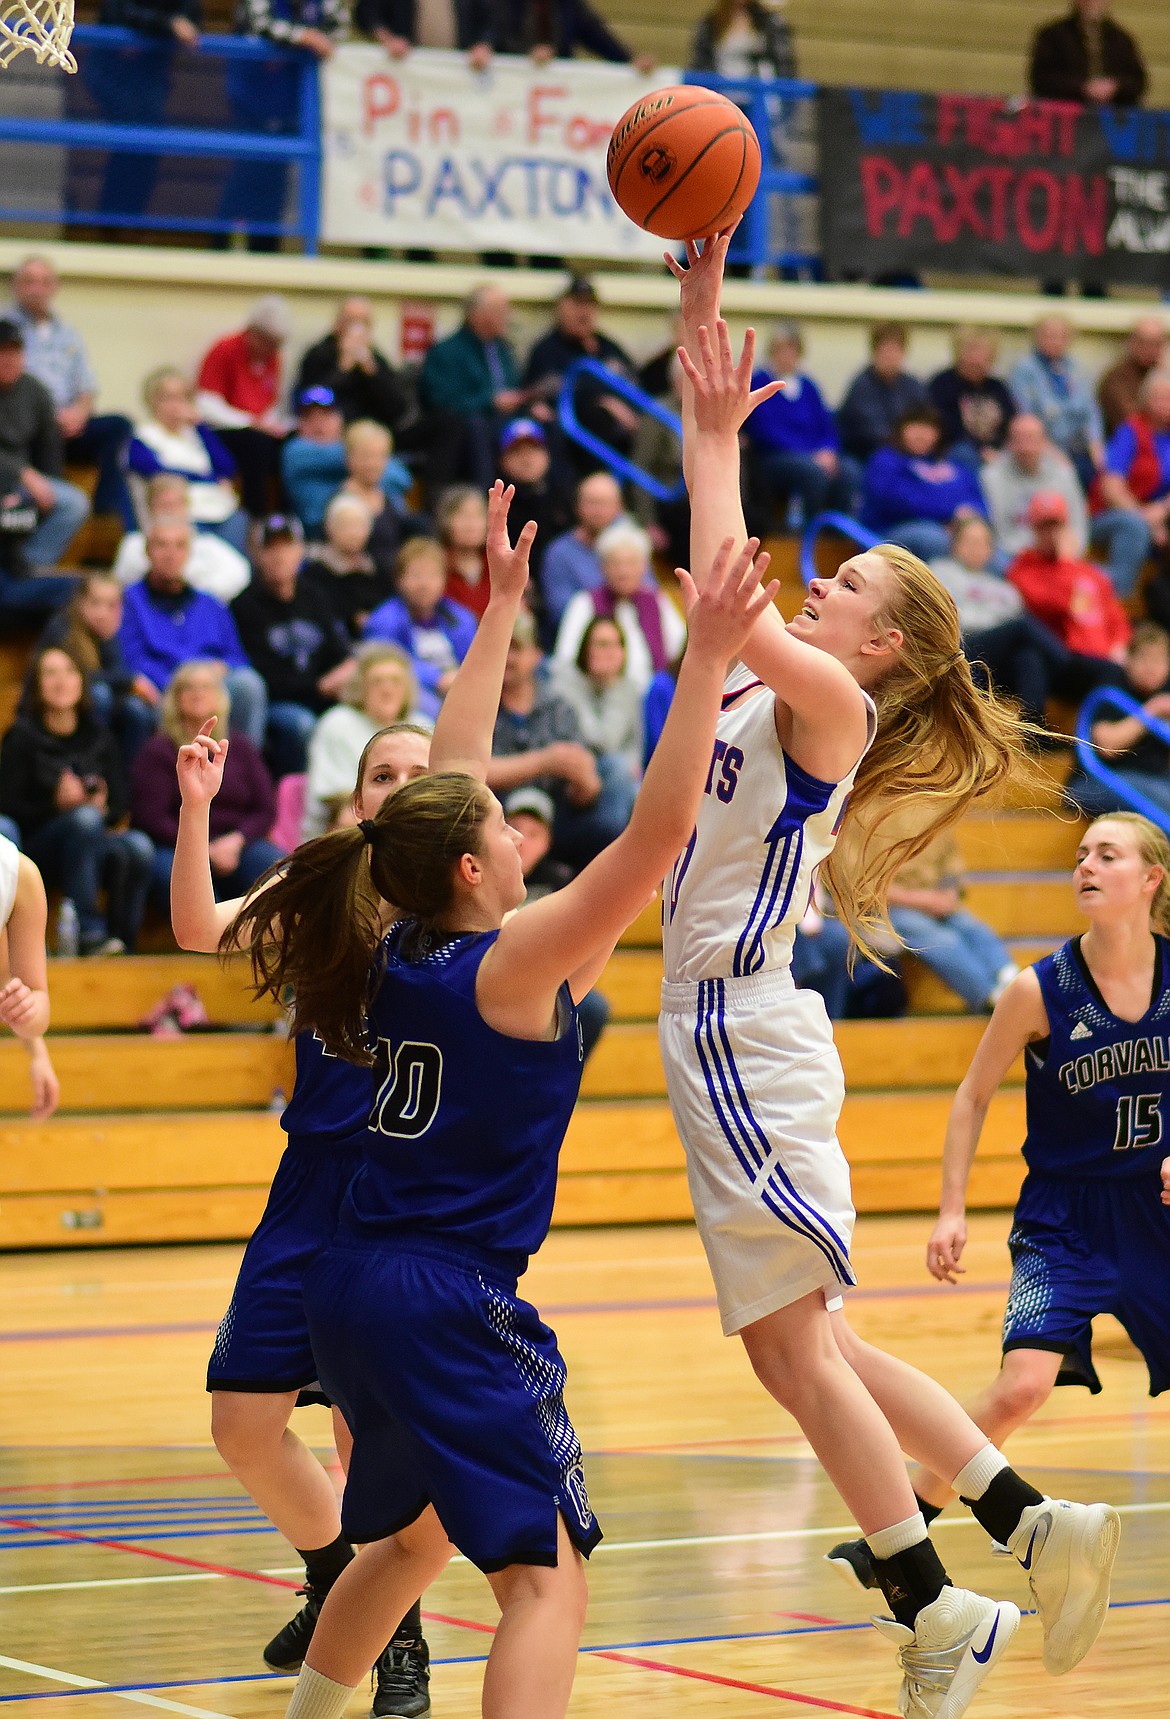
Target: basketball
683	162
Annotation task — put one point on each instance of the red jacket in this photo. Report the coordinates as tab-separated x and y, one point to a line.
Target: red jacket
1074	599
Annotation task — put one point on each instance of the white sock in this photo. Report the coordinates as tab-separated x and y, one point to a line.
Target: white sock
318	1697
888	1542
972	1481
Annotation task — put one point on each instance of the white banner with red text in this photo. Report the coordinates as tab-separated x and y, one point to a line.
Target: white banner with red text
426	153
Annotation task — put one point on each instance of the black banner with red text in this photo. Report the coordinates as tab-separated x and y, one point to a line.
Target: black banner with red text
981	185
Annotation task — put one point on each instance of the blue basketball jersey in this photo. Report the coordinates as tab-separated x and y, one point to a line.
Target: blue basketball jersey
330	1104
1098	1087
467	1123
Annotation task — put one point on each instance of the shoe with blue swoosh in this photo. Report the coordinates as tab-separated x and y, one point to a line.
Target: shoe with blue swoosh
952	1648
1067	1551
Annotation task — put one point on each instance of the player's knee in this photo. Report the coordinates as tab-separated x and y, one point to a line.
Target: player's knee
241	1429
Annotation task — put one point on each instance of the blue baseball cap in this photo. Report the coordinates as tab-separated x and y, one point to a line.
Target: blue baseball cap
315	397
522	430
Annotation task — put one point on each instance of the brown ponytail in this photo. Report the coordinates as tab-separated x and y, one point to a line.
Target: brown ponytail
316	921
942	742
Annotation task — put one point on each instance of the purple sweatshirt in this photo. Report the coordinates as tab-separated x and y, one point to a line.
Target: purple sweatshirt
159	633
246	802
899	488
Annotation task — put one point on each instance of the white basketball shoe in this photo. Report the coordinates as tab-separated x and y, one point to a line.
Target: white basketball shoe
955	1642
1067	1551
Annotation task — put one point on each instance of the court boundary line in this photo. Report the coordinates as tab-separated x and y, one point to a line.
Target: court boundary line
92	1686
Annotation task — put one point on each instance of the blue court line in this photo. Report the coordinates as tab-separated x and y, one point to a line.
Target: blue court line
100	1504
92	1540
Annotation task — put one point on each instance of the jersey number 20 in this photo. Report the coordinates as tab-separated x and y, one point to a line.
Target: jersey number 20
1139	1121
407	1099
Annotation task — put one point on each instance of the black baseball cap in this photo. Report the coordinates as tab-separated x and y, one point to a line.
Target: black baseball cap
11	333
580	286
281	526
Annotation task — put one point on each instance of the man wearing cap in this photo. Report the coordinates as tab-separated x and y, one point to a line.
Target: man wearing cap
239	390
39	512
1074	599
312	461
55	354
574	335
526	465
293	640
348	364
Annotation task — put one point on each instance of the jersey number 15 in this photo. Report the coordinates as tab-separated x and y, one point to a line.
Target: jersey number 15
1139	1121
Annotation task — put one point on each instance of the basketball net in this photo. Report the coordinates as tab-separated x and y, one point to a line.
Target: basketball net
42	26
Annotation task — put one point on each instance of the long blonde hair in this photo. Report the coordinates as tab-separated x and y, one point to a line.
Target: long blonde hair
942	742
171	722
1153	845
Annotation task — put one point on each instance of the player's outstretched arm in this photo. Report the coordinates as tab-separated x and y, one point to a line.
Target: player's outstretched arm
197	919
463	732
562	937
46	1089
1019	1018
24	996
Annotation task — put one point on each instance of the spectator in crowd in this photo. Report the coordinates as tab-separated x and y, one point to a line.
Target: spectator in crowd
87	629
656	708
879	394
172	440
1051	383
242	811
1074	599
54	353
312	461
343	568
213	566
131	85
240	386
975	406
743	39
266	97
1086	56
853	989
381	691
347	364
570	561
165	624
1029	464
555	29
421	620
1120	386
61	782
525	463
471	381
927	912
461	522
294	641
537	743
654	372
30	473
400	25
912	493
652	627
793	436
1125	744
658	451
381	482
1135	485
607	704
573	336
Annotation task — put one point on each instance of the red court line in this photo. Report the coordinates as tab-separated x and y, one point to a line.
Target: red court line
811	1618
149	1552
459	1623
738	1683
119	1480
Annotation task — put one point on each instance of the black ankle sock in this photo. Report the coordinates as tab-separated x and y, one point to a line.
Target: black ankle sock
325	1564
910	1580
410	1629
929	1511
1002	1505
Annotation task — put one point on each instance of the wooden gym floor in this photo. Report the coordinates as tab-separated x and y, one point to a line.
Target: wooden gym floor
134	1571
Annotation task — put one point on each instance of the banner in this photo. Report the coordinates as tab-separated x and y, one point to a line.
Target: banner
426	152
978	185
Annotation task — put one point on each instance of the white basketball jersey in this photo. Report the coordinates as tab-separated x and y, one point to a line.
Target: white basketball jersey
9	872
739	889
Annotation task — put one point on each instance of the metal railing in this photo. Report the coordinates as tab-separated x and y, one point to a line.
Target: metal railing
615	462
1108	698
269	97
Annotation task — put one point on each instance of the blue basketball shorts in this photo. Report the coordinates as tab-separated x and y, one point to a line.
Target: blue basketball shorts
263	1344
453	1389
1083	1248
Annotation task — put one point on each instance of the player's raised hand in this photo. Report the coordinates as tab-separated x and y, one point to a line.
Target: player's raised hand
507	564
721	386
723	613
1166	1181
701	281
199	767
948	1238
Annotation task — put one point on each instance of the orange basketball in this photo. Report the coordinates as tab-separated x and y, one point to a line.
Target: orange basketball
683	162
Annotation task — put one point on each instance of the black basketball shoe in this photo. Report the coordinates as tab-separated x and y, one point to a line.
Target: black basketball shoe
402	1678
853	1562
287	1649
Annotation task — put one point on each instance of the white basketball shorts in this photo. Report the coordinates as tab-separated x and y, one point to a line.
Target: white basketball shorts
756	1088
